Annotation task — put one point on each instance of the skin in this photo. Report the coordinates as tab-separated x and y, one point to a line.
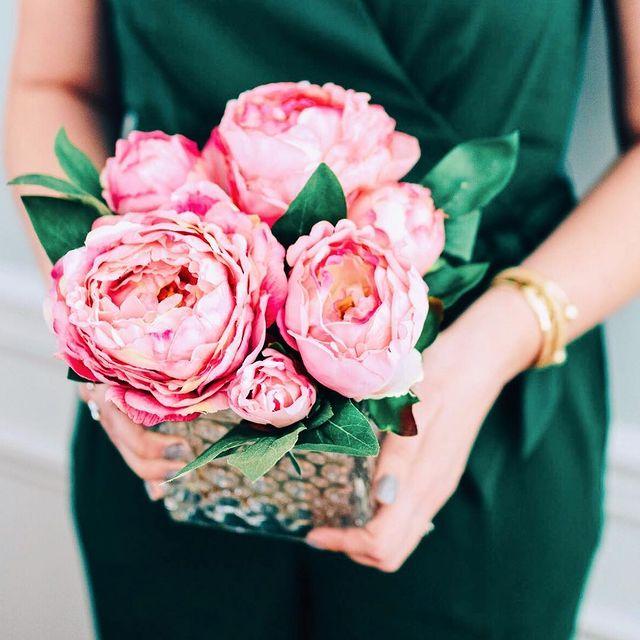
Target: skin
594	255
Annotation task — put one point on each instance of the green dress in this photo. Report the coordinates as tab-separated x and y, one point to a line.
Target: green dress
512	548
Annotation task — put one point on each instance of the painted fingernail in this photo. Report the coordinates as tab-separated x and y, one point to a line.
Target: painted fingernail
387	489
154	490
176	451
171	474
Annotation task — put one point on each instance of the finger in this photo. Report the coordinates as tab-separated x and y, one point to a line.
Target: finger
365	560
352	540
146	444
84	393
157	470
392	467
155	490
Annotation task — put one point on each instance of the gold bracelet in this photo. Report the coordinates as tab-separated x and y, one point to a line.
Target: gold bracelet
551	307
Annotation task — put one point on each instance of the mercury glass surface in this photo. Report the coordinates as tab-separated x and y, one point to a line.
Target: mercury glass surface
331	490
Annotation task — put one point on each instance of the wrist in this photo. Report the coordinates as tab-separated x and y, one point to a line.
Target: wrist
501	331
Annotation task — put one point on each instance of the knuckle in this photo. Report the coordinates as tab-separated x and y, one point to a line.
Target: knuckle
144	471
146	447
378	549
389	566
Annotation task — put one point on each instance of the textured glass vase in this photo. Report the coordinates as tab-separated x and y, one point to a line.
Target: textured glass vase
331	490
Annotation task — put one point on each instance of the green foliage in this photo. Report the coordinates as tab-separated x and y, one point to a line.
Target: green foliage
449	283
234	438
61	225
465	181
320	413
393	414
347	431
460	234
430	328
71	191
321	198
473	173
77	165
294	462
256	458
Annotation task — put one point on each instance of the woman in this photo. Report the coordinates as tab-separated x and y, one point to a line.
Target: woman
517	504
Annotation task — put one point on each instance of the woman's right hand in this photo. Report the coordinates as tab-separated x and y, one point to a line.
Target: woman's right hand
155	457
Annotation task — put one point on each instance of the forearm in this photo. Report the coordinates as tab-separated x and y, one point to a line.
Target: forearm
35	112
594	255
58	80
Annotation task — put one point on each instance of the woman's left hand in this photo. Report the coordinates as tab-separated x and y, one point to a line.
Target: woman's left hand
415	476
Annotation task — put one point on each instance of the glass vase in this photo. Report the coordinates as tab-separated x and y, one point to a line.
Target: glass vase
331	490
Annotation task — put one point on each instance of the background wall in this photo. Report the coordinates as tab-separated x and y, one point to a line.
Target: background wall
41	590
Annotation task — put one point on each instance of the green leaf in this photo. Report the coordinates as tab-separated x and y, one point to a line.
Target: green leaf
430	330
257	458
347	431
320	413
473	173
77	165
460	234
236	437
72	191
394	414
60	224
321	198
50	182
450	283
294	463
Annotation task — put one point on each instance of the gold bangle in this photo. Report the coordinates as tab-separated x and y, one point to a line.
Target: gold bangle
551	307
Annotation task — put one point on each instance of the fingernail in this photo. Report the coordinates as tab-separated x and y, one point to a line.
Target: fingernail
154	490
176	451
171	474
387	489
313	543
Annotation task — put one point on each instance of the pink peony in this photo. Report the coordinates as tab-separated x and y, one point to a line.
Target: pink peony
272	138
209	201
271	391
165	307
147	168
202	197
354	311
406	218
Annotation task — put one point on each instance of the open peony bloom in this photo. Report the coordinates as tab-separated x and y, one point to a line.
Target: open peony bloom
271	391
406	218
272	138
147	168
165	307
354	311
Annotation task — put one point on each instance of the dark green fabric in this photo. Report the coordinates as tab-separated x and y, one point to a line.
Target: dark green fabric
511	549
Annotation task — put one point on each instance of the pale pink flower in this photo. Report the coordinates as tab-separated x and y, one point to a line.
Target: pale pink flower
271	391
406	218
147	168
272	138
165	307
354	311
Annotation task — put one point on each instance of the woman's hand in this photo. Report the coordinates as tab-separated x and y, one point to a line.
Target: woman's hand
154	457
464	372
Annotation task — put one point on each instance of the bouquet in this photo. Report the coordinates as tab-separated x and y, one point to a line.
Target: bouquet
284	274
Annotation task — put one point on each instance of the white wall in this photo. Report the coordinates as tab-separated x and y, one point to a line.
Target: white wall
41	591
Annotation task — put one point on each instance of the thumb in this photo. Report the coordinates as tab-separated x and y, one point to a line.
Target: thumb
392	468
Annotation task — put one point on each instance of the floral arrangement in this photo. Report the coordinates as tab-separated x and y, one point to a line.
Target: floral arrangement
283	271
